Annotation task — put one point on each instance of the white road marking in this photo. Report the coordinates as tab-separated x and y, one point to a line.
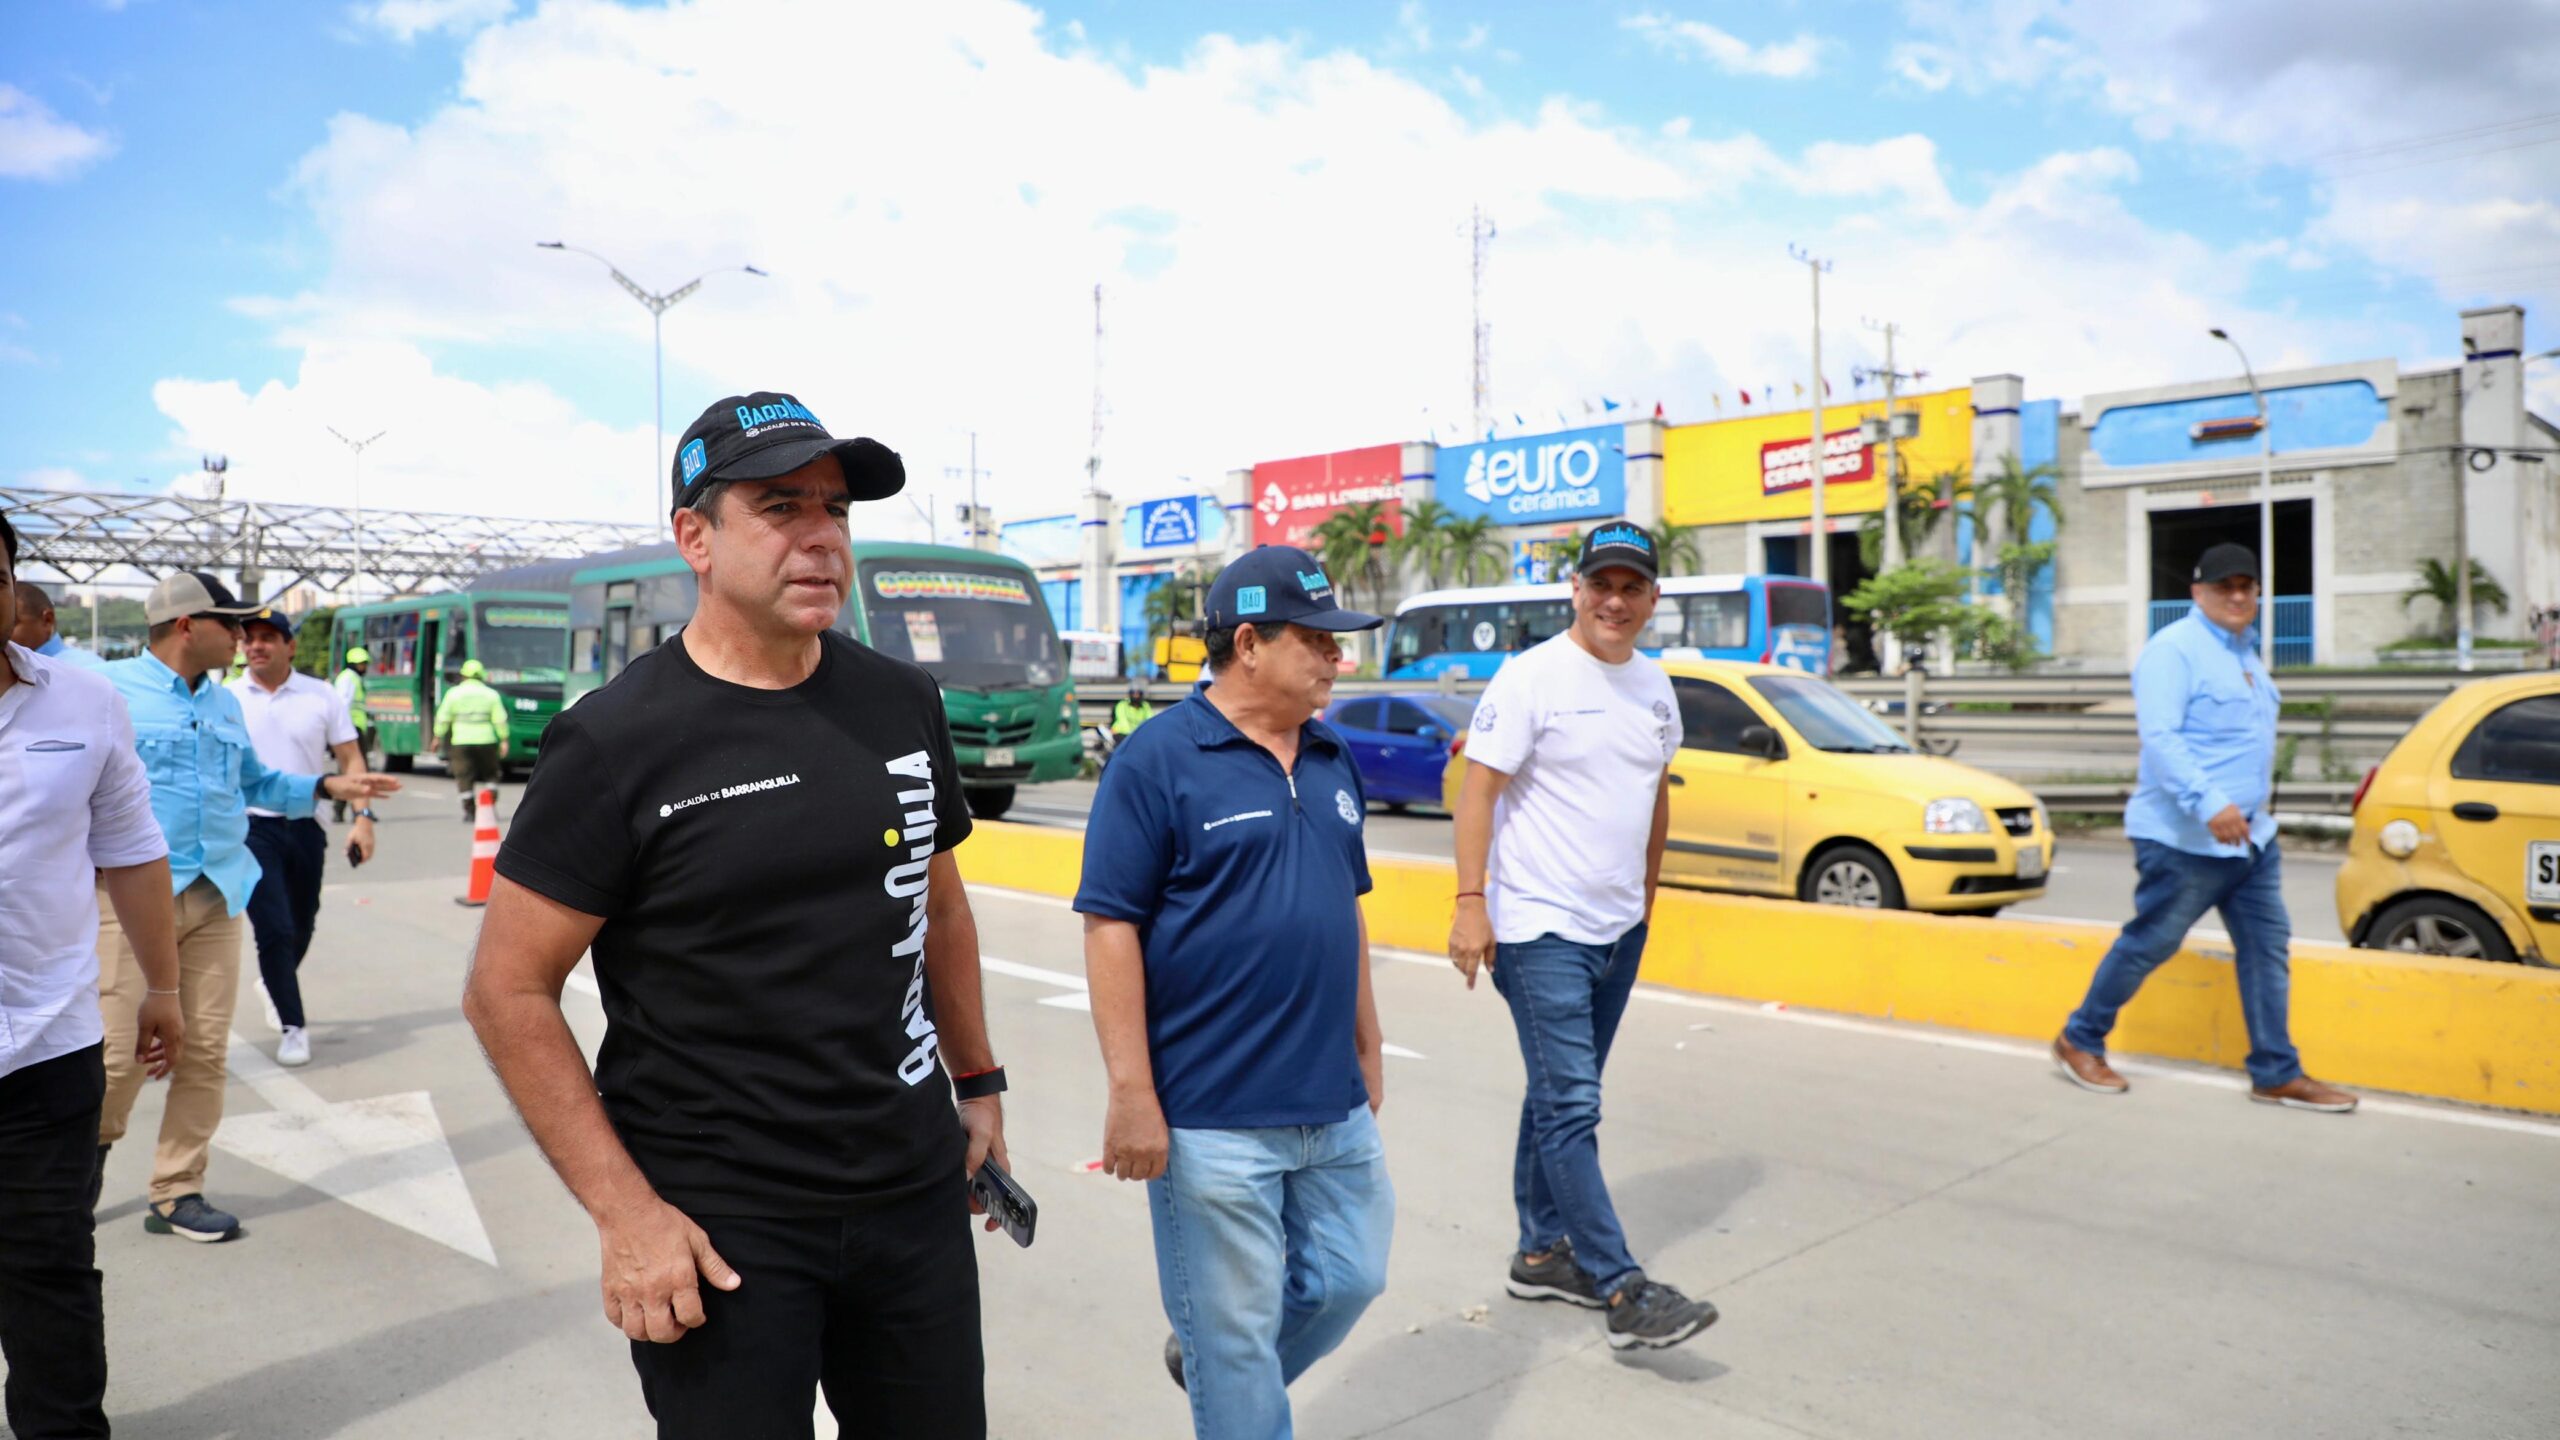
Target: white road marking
386	1156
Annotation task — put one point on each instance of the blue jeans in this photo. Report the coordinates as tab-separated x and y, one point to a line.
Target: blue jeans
1269	1245
1566	1000
2173	891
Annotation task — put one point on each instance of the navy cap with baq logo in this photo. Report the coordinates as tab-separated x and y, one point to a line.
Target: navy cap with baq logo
1280	585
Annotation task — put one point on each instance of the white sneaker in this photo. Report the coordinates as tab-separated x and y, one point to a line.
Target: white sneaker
274	1021
295	1047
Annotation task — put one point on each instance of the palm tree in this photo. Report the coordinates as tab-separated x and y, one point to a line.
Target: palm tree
2016	492
1473	556
1425	542
1920	517
1675	547
2436	582
1348	543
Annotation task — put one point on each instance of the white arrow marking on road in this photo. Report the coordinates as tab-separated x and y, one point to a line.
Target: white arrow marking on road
386	1156
1079	998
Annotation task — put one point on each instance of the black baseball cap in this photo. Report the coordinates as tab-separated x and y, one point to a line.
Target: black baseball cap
761	435
1619	544
1280	584
2220	562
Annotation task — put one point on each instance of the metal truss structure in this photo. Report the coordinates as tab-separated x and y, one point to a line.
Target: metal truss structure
95	536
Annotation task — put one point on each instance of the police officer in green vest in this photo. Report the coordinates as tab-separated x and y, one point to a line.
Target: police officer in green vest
471	727
1130	713
350	687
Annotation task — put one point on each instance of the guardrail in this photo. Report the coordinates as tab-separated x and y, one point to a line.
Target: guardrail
2313	797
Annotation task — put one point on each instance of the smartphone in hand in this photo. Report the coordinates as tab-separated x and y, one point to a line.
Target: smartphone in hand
1006	1200
355	857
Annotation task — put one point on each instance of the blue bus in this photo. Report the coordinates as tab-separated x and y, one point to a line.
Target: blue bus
1773	619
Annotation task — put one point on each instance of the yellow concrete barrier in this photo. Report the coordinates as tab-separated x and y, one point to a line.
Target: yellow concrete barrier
2456	1029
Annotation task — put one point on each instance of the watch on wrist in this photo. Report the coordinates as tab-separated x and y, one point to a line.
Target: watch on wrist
365	814
978	1084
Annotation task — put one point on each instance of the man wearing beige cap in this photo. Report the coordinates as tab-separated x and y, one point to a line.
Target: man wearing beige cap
205	774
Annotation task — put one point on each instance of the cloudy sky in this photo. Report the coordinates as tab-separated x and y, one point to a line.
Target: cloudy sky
229	226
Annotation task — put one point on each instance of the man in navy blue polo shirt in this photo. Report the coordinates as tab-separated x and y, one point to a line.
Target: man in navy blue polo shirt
1229	965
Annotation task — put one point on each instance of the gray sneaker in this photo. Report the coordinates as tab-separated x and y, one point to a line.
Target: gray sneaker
1556	1276
1655	1316
188	1217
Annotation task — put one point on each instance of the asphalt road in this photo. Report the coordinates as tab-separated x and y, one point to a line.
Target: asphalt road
2092	876
1910	1233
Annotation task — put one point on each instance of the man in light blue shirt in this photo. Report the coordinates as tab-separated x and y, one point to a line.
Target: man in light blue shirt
204	774
2204	836
36	629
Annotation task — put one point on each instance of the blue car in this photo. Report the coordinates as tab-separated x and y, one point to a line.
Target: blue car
1401	742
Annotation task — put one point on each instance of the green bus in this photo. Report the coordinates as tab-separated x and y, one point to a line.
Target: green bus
973	620
521	637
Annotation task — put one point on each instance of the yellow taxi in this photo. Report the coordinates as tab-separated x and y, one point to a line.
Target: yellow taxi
1786	786
2456	848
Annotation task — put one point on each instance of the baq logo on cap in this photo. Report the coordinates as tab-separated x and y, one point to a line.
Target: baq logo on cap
694	457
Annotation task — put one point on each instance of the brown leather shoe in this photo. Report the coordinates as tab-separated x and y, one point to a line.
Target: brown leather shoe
2304	1093
2089	1072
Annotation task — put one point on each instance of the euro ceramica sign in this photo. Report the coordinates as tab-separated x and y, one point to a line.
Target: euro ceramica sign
1534	479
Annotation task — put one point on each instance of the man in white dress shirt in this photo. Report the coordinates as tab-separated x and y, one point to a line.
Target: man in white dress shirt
300	725
75	821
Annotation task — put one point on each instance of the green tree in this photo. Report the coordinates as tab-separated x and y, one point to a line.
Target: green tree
1927	600
1425	542
2436	582
1349	543
311	642
1675	547
1474	556
1921	512
2014	492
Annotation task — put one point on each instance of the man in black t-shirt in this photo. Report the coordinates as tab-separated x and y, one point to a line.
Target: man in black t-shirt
751	829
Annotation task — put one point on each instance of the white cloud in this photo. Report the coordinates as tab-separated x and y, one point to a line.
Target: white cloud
449	444
55	477
1278	232
36	144
1794	59
2427	130
406	20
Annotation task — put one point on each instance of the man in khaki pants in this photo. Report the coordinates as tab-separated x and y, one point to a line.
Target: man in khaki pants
204	774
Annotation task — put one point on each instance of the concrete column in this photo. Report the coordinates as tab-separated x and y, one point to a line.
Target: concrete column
1236	493
1100	537
1645	497
2498	514
1997	432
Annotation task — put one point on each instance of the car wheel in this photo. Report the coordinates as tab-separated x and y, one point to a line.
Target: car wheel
1851	875
1399	807
2439	925
988	802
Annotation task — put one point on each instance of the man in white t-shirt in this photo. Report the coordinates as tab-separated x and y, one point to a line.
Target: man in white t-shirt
1558	859
299	725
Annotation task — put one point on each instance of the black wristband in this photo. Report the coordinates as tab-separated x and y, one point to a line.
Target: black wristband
978	1086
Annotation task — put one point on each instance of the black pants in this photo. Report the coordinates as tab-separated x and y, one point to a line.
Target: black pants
292	854
53	1329
880	1309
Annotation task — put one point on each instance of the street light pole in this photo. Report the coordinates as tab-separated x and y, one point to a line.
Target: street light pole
1821	537
355	577
2266	506
657	306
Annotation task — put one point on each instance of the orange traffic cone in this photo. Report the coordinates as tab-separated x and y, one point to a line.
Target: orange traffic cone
484	847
